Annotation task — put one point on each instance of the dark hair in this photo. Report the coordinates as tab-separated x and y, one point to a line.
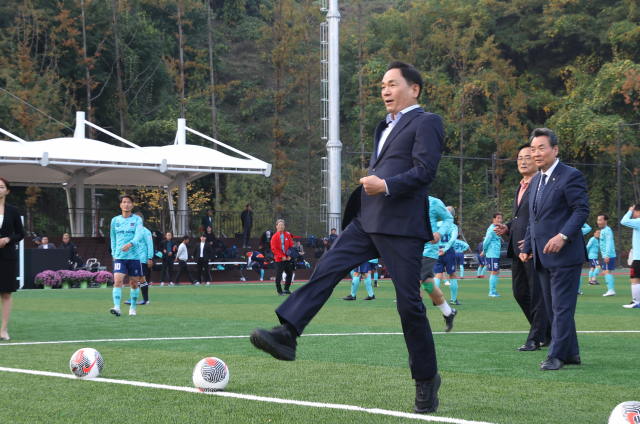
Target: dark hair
208	226
606	217
248	204
409	73
524	146
496	214
551	135
6	183
124	196
636	207
333	229
186	237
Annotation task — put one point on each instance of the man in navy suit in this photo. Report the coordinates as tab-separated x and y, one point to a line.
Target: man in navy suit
558	208
386	217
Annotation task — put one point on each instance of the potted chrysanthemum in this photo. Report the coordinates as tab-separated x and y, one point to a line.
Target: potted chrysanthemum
48	279
84	278
103	278
66	277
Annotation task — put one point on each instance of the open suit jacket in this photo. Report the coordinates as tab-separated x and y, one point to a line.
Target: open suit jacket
563	208
208	253
408	163
12	228
518	225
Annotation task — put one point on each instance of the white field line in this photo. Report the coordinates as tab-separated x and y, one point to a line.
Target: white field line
305	335
256	398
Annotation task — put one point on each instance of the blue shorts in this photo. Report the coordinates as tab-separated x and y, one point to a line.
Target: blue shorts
460	258
493	264
610	266
128	266
364	268
446	263
594	263
481	260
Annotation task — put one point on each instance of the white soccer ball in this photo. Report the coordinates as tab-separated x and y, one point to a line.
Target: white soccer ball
86	363
626	413
211	375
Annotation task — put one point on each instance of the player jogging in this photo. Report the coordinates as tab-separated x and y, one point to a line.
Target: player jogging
364	269
608	251
146	252
447	257
585	230
374	271
491	251
459	246
126	235
482	261
632	220
593	248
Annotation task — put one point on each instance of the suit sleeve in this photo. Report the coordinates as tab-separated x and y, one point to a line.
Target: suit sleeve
18	229
575	193
427	150
526	247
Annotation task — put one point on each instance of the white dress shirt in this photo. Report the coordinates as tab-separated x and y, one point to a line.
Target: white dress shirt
548	173
45	246
201	250
392	123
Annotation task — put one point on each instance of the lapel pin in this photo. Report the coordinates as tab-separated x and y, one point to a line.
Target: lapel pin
554	179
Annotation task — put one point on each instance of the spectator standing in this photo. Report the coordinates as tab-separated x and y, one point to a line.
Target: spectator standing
211	238
202	254
11	232
168	248
45	244
207	220
247	223
182	256
74	258
281	242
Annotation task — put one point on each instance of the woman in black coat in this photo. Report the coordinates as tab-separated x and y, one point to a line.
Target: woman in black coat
11	232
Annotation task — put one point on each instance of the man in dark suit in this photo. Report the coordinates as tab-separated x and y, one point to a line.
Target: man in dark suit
558	208
207	221
45	244
202	254
168	248
386	217
526	283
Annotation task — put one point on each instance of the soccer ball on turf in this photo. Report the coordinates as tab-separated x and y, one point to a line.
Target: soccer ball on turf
86	363
211	375
626	413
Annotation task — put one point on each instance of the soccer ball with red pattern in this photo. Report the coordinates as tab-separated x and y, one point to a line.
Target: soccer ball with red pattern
86	363
211	375
626	413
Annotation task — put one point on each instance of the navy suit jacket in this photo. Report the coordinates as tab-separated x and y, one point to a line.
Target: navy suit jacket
563	208
408	163
518	225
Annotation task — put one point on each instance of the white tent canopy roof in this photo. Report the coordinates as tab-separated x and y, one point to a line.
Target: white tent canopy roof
57	162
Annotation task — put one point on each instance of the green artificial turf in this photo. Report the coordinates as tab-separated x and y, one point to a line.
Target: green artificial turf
484	377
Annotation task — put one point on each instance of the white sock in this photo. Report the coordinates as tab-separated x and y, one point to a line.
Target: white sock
293	277
635	292
445	308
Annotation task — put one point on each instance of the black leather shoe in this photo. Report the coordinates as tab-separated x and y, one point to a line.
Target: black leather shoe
546	343
349	298
529	346
278	342
286	292
427	395
552	364
449	320
573	360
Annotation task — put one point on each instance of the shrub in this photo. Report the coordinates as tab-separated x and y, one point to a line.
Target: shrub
48	278
102	277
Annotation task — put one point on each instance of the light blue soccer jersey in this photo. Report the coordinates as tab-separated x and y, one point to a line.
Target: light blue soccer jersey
123	231
373	261
634	223
585	229
145	249
460	246
492	243
593	247
607	246
441	221
448	238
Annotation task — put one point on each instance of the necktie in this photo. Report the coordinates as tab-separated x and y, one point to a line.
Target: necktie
540	190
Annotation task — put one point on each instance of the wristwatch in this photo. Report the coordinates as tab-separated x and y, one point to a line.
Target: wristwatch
565	238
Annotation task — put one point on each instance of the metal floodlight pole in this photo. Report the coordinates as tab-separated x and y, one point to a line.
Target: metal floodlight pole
619	201
334	146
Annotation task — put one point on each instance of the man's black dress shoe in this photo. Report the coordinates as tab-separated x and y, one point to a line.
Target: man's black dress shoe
552	364
286	292
427	395
279	342
529	346
546	343
573	360
448	320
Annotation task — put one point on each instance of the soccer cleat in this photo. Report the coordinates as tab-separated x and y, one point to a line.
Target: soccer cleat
286	292
631	305
579	292
115	311
349	298
142	302
427	395
609	293
370	297
455	302
171	284
161	284
494	295
478	276
132	311
447	283
395	300
278	342
280	294
197	283
127	302
261	279
448	320
375	284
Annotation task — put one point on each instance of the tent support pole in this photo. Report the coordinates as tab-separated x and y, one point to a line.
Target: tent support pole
79	206
172	213
70	209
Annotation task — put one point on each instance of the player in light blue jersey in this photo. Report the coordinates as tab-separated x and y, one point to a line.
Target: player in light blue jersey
126	236
145	252
374	270
459	246
632	220
491	250
585	230
608	252
593	248
364	270
447	259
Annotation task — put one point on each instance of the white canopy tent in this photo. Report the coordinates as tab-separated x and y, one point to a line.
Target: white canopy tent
84	163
